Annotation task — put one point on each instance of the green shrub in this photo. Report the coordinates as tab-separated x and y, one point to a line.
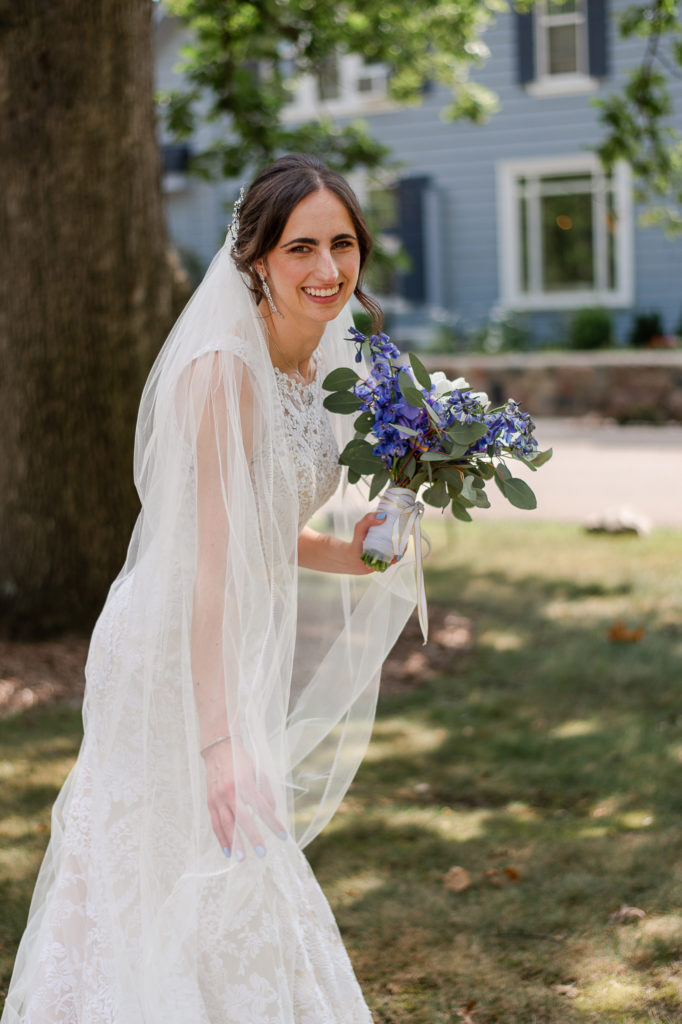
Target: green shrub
590	328
645	326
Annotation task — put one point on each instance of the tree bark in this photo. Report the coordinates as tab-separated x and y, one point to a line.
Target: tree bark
87	293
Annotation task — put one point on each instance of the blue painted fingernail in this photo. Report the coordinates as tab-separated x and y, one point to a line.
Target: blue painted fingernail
239	855
283	834
381	515
226	851
260	852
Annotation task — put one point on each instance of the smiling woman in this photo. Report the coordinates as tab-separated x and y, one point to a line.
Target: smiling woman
227	704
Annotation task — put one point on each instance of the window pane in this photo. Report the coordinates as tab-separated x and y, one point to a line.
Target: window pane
525	255
562	49
567	7
567	242
328	80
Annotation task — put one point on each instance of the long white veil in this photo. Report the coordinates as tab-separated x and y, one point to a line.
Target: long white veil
208	628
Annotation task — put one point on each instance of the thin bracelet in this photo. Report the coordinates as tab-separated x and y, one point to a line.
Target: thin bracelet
214	743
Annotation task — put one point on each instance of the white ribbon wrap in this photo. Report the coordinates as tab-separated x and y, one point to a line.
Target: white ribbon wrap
390	538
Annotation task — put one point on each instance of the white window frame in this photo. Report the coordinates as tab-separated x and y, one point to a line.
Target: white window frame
306	102
509	229
545	83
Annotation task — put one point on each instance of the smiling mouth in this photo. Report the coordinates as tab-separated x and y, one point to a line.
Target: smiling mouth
323	293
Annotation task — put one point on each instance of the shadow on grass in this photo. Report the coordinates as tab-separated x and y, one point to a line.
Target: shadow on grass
546	763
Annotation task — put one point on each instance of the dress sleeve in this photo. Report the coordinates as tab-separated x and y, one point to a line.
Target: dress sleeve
222	453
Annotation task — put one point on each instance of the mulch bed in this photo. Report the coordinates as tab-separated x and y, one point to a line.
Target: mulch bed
51	671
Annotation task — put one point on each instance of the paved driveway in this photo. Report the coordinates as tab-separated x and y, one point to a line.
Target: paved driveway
598	468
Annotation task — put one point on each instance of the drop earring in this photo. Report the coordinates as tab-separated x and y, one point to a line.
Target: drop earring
268	294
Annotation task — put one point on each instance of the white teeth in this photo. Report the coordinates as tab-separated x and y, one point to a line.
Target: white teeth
322	293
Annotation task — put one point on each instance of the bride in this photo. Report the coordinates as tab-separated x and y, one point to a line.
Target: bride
231	684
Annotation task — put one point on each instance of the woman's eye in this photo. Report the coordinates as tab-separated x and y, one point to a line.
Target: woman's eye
300	248
343	243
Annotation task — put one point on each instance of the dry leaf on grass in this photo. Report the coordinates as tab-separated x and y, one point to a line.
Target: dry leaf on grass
570	990
500	876
626	914
457	879
466	1013
619	633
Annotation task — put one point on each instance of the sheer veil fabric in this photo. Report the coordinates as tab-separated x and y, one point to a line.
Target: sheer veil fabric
137	916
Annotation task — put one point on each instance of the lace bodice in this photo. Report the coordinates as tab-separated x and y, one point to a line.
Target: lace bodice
311	441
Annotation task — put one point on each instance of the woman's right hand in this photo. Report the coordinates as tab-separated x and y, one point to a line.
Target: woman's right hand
237	798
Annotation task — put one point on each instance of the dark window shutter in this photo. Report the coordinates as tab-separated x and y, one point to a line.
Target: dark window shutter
412	283
525	47
597	43
175	158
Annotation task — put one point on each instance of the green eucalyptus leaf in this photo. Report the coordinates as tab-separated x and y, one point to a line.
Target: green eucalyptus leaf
466	434
417	480
486	470
409	391
421	374
364	423
459	512
342	401
365	465
354	448
431	414
353	477
409	467
458	450
378	483
469	490
406	430
452	477
541	458
435	457
437	495
340	379
502	471
520	494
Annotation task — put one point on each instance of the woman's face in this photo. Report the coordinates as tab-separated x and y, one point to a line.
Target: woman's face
313	269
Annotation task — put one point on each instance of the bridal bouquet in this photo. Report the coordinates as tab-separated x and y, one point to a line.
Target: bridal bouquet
423	434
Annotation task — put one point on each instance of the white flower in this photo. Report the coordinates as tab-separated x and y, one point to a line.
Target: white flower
443	386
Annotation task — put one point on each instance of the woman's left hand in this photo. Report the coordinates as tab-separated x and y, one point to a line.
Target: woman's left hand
356	566
329	554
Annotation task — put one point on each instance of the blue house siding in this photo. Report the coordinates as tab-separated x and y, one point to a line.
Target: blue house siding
461	160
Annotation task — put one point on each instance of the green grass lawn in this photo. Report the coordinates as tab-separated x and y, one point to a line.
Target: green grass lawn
545	761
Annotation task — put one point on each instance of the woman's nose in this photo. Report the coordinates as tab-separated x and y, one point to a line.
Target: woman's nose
327	265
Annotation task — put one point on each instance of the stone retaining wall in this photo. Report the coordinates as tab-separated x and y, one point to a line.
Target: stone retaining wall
628	386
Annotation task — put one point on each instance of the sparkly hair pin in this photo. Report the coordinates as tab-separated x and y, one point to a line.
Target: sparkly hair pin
233	229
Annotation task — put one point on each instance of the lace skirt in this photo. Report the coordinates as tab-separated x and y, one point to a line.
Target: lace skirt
117	936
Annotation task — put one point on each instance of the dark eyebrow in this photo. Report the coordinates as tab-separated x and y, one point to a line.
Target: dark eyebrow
315	241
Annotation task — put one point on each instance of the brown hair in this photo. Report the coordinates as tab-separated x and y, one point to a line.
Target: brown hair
270	200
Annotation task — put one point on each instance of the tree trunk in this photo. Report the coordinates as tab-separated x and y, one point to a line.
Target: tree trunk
87	291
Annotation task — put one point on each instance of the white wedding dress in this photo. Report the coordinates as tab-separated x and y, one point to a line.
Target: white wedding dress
137	916
264	947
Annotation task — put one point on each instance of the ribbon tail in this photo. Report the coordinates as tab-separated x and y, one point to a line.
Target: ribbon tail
422	607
